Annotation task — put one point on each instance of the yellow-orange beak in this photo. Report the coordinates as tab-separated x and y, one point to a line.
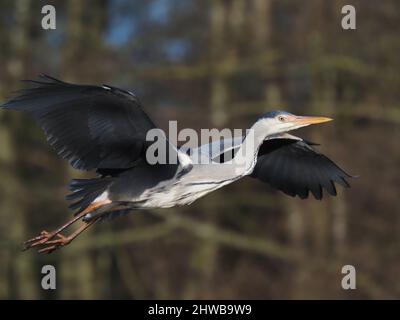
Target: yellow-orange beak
309	120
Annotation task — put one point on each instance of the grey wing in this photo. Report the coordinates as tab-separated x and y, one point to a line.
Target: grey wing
294	167
214	150
225	149
92	127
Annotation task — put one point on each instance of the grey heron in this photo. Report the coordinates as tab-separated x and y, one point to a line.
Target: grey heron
104	128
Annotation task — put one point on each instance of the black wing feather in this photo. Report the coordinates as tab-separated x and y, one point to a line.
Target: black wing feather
90	126
293	167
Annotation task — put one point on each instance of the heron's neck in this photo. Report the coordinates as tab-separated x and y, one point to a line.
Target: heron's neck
246	157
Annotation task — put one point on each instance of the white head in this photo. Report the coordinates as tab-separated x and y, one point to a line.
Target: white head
281	121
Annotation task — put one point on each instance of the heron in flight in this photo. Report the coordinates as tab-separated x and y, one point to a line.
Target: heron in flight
104	128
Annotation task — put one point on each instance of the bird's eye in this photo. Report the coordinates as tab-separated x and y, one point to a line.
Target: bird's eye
281	118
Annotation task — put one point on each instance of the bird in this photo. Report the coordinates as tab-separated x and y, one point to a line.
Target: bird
103	128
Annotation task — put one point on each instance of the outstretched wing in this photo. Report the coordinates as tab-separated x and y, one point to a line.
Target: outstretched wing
90	126
295	168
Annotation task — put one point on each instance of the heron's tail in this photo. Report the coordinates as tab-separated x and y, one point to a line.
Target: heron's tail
85	191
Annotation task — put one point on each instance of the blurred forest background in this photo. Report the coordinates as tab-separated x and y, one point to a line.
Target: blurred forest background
215	63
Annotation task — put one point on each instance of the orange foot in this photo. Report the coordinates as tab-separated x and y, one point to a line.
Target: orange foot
46	238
